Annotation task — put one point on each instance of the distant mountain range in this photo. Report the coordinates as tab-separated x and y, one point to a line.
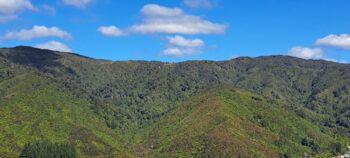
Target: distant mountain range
274	106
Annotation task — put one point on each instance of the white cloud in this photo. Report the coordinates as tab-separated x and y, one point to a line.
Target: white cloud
306	53
198	3
180	46
10	8
157	19
180	52
160	19
37	32
183	42
311	53
157	10
78	3
111	31
339	41
54	45
173	52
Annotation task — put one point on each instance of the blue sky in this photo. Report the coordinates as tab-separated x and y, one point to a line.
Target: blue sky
178	30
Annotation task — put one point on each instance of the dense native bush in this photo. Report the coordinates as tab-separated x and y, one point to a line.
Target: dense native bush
48	150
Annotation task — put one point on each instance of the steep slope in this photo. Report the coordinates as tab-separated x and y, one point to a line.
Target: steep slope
236	123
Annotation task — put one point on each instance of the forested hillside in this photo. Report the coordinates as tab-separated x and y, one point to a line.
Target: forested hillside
276	106
229	122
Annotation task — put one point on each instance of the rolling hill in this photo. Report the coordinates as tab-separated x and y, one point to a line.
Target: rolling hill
275	106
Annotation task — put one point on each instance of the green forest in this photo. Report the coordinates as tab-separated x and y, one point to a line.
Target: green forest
55	104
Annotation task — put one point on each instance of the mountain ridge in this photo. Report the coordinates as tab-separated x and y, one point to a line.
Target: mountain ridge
109	60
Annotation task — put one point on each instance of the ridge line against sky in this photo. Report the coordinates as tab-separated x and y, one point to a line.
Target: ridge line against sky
180	30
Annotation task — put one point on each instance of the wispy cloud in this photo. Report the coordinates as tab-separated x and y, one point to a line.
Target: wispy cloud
198	3
6	18
37	32
50	10
78	3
